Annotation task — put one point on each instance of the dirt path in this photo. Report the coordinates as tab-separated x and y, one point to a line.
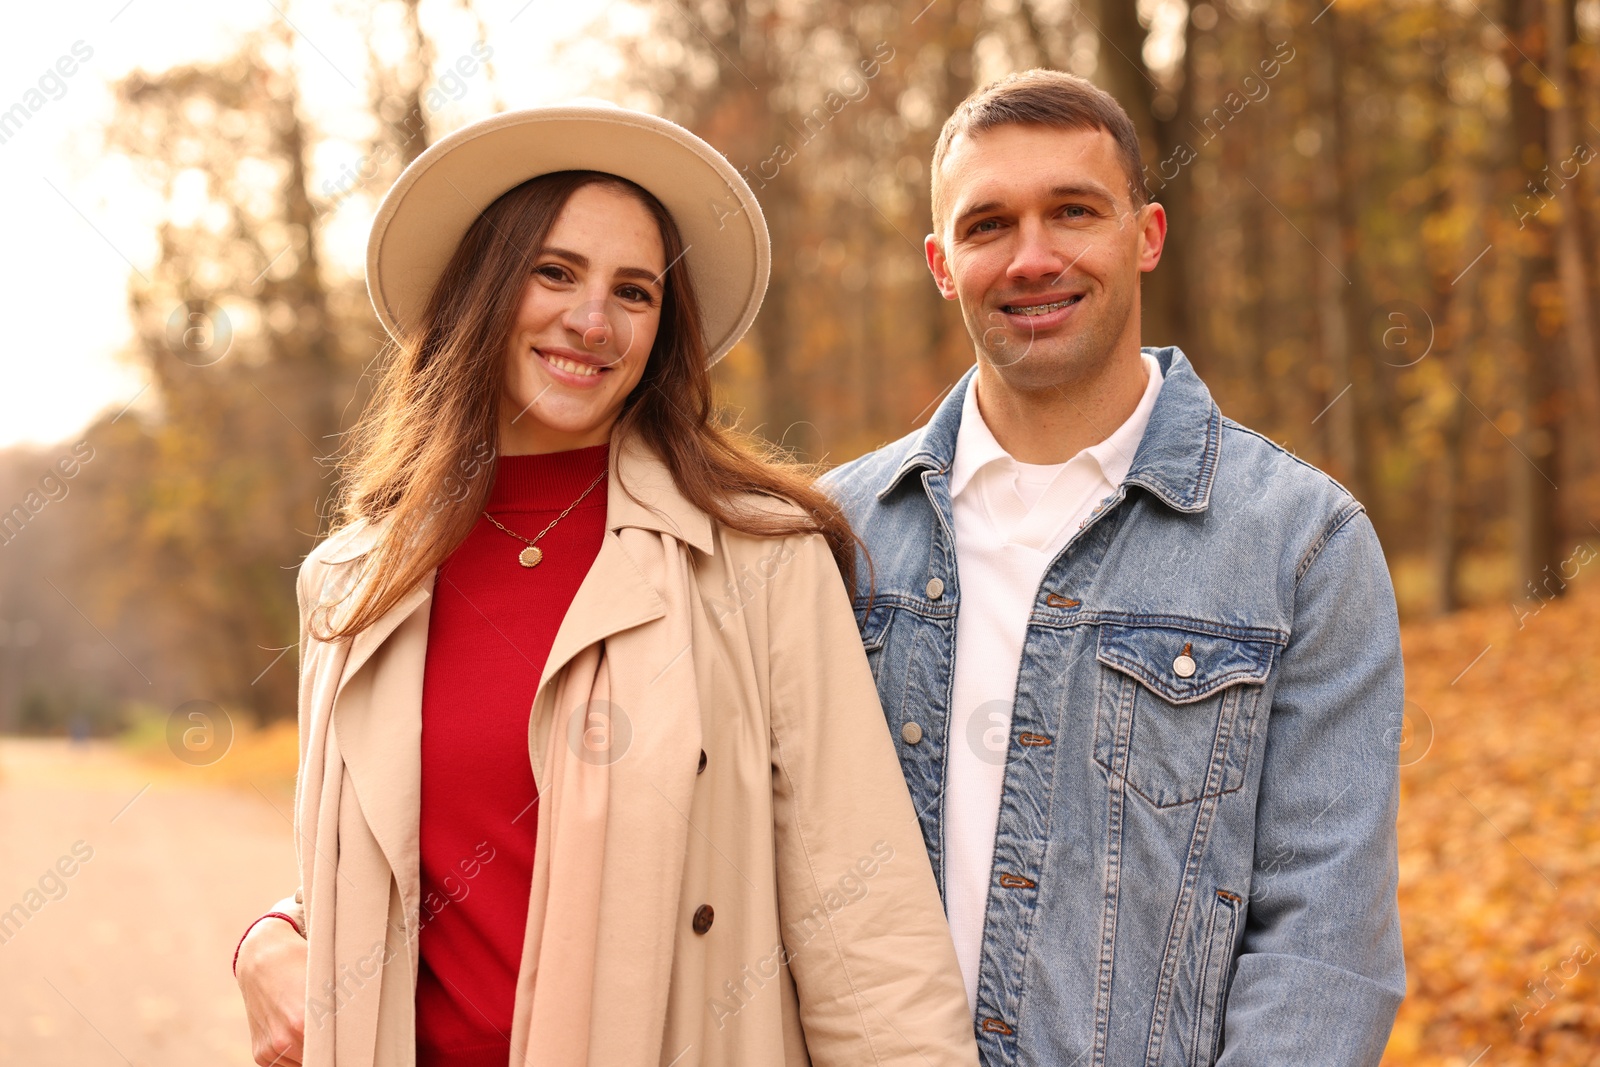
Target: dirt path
127	960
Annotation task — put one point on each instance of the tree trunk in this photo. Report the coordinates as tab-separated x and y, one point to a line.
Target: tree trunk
1169	290
1121	72
1583	362
1539	400
1334	296
1444	555
780	397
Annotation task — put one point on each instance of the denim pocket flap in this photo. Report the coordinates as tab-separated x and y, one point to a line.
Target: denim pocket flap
874	626
1183	666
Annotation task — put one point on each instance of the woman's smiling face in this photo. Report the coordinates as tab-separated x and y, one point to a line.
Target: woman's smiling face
585	325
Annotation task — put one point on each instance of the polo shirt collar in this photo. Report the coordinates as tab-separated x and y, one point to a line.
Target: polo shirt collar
977	447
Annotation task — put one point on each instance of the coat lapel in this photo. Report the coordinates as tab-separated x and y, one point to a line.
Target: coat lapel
372	638
614	596
378	715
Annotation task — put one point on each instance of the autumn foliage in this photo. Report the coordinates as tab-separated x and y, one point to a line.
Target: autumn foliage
1500	836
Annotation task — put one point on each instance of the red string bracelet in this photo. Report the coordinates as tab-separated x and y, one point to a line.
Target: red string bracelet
269	915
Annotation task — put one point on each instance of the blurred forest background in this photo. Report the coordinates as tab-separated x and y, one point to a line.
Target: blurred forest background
1383	255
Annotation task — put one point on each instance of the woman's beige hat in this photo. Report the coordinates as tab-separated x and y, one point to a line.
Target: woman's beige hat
436	199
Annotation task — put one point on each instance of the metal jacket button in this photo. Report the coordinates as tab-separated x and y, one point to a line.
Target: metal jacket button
935	588
1183	666
911	733
702	918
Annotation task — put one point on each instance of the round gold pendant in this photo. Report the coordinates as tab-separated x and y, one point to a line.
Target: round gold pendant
530	556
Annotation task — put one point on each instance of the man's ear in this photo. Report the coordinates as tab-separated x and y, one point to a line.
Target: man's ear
1152	235
939	267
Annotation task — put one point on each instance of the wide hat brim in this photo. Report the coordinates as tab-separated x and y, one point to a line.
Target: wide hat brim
438	196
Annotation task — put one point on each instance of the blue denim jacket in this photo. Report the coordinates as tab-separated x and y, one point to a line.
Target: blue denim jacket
1195	862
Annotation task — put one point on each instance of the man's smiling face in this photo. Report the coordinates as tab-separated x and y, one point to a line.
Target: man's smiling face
1041	244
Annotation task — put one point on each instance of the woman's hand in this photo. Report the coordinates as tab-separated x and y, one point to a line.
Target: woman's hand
272	978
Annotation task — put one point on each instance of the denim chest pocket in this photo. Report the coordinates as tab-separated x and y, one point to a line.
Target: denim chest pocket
875	629
887	671
874	634
1177	709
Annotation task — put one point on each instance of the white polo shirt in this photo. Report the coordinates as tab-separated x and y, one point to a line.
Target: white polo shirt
1011	519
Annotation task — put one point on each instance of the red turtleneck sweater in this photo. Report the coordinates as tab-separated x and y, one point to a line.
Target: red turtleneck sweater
490	629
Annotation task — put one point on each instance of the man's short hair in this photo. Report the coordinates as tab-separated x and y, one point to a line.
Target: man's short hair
1041	97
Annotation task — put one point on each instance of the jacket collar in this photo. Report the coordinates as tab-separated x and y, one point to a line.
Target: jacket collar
613	594
661	507
1176	459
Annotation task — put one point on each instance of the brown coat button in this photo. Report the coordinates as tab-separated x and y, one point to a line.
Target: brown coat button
702	767
702	918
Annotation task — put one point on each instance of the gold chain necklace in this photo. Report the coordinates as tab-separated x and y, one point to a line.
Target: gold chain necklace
530	556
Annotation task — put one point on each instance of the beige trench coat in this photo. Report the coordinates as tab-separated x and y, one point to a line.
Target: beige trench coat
776	907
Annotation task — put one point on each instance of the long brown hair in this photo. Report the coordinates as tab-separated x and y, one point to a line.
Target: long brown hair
433	422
